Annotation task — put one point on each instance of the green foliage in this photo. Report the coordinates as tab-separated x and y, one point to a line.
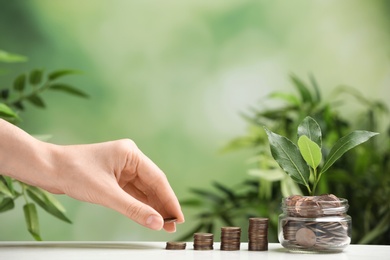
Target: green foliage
362	177
301	162
28	88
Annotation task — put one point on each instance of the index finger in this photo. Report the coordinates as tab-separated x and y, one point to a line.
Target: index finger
157	188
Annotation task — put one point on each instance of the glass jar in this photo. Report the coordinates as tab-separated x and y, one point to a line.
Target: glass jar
314	224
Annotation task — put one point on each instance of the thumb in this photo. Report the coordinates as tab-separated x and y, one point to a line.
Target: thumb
136	210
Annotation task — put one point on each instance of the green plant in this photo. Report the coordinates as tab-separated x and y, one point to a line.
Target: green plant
363	177
301	162
28	87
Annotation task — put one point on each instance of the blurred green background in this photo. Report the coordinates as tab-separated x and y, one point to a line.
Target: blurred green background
174	76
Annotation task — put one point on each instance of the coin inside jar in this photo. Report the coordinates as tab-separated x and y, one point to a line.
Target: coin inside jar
305	237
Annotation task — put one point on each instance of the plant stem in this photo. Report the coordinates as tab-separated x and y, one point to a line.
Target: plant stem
316	183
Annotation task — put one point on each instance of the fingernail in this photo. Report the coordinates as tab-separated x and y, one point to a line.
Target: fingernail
154	222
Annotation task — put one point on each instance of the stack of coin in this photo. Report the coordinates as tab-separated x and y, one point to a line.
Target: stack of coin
171	245
230	238
203	241
258	234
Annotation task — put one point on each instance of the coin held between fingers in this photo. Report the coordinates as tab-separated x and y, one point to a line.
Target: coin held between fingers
170	220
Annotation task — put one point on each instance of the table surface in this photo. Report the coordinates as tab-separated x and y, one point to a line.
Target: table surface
156	250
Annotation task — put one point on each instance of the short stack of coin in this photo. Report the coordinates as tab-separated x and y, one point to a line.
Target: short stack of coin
230	238
258	234
171	245
203	241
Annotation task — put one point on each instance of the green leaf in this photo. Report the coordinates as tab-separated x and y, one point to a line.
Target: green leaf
191	203
225	190
4	189
379	229
47	202
36	101
31	217
302	88
20	82
208	195
311	129
4	94
345	144
68	89
288	157
289	98
316	88
9	183
60	73
271	175
10	57
310	151
36	76
6	111
6	204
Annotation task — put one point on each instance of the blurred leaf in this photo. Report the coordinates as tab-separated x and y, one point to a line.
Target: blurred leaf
189	235
31	217
316	88
10	57
4	189
225	190
36	76
60	73
311	129
37	101
344	144
310	151
47	202
4	93
227	220
19	105
288	157
68	89
9	183
302	88
20	82
271	175
289	98
191	202
289	187
208	195
382	226
210	227
6	204
6	111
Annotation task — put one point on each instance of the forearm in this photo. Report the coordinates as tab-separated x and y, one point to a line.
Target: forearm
25	158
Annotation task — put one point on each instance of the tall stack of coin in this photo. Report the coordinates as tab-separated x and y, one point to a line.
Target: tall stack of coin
258	234
230	238
203	241
171	245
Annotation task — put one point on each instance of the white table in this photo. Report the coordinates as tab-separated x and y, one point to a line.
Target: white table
156	250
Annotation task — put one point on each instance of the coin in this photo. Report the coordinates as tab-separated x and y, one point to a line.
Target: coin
172	245
258	234
203	241
170	220
230	238
305	237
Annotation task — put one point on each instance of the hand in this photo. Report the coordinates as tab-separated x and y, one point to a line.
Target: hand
114	174
117	175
